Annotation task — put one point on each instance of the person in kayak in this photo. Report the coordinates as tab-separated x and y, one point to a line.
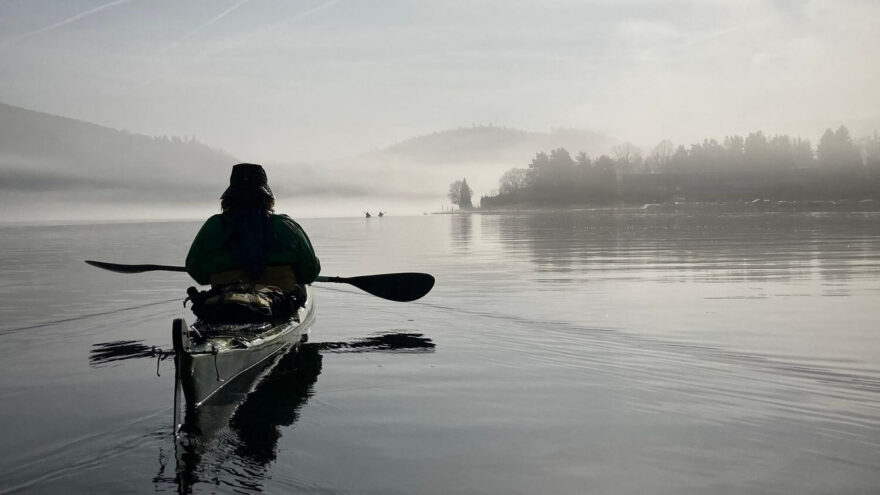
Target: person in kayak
248	243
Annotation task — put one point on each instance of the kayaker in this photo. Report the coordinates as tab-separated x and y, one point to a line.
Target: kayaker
248	243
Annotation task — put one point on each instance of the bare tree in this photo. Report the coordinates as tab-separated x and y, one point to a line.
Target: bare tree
455	192
628	156
583	160
661	155
513	180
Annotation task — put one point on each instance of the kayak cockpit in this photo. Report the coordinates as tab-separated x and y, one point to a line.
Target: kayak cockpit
210	355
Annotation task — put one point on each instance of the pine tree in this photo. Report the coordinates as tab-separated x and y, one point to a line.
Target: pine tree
464	196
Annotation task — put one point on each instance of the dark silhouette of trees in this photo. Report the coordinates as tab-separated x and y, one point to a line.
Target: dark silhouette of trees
870	149
513	180
455	192
460	194
604	164
738	168
464	199
551	172
836	149
660	156
628	157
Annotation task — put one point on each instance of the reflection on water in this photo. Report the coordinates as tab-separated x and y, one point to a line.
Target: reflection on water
389	342
462	227
613	352
105	353
119	350
233	437
234	441
694	247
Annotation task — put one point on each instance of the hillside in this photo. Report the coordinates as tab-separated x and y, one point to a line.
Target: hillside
43	153
490	144
55	167
423	166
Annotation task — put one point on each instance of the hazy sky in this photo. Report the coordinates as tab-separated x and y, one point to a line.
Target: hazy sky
278	80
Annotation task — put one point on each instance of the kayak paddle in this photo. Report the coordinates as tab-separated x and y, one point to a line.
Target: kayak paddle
115	267
401	287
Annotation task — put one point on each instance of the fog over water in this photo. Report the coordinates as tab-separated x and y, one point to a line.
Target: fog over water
309	86
661	273
309	80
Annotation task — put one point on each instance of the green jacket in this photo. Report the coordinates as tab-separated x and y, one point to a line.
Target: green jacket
291	246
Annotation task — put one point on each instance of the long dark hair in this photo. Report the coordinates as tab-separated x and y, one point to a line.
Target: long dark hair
250	235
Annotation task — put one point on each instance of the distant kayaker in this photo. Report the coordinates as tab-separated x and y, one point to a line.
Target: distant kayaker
248	243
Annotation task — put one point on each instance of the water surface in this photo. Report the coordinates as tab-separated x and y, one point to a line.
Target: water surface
560	352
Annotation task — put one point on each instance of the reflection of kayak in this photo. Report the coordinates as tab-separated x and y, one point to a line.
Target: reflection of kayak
202	423
210	356
244	419
242	423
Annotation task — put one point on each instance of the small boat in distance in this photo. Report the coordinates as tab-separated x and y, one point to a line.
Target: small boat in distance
381	214
367	214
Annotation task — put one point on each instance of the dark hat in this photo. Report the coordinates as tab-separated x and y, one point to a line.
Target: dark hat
248	179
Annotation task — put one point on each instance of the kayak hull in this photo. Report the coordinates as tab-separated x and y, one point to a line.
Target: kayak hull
211	357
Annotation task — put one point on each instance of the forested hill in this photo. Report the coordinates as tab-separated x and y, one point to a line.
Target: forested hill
491	144
43	153
421	166
52	167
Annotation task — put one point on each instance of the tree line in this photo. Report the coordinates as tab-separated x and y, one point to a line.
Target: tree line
755	166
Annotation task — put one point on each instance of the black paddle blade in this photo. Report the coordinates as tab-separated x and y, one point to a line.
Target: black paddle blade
401	287
115	267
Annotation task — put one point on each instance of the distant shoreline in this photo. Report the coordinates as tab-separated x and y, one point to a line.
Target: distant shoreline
733	206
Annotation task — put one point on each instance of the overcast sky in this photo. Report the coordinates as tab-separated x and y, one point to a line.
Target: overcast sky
279	80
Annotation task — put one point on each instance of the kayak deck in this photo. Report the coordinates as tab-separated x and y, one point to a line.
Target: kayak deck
210	356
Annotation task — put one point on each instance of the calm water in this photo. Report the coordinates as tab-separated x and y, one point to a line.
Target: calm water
560	353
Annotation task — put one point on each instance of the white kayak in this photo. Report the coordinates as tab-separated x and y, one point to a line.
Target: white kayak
211	356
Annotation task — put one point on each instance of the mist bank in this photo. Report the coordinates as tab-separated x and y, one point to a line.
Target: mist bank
48	208
55	168
43	152
755	167
420	167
